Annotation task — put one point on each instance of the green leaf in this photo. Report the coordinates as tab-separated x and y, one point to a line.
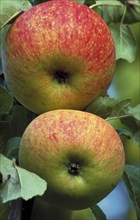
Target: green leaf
36	2
133	126
135	112
18	182
133	122
133	12
113	11
121	109
108	2
110	11
102	106
4	135
6	101
89	2
81	1
20	118
109	108
98	213
132	181
10	9
124	132
124	41
12	148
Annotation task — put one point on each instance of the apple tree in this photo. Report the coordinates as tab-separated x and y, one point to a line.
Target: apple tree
119	106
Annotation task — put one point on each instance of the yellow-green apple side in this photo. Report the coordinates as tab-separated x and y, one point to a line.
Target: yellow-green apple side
84	214
58	54
79	155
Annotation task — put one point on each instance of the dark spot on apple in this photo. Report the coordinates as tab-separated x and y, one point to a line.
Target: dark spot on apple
61	76
73	168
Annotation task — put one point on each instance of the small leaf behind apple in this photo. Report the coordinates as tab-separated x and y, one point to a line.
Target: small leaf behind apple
124	41
6	101
12	148
109	108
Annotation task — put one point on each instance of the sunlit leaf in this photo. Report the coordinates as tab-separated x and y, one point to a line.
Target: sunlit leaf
124	41
18	182
108	2
135	112
10	9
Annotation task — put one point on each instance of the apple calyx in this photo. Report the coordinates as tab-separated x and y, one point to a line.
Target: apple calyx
61	76
74	168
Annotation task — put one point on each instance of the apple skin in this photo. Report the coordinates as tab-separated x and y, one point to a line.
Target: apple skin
84	214
58	54
79	155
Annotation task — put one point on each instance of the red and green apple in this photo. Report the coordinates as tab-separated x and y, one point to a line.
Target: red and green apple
58	54
79	154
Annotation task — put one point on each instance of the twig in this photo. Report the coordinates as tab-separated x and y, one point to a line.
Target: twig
116	117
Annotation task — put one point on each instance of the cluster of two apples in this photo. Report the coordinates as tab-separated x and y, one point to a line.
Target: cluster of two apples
57	58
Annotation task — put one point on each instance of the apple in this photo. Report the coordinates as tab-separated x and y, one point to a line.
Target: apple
58	54
84	214
131	147
132	151
79	154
